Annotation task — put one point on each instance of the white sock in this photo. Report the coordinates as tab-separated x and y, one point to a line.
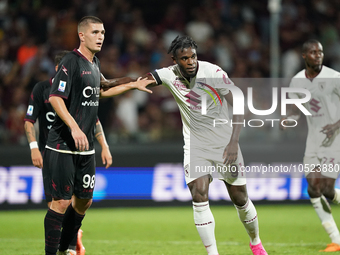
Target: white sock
323	210
205	224
248	216
336	198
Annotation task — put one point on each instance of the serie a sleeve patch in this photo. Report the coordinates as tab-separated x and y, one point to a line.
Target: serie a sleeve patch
30	110
62	86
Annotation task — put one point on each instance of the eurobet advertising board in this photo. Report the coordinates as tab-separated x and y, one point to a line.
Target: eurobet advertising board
162	183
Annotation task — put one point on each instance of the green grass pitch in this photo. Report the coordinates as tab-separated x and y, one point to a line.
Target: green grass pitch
284	229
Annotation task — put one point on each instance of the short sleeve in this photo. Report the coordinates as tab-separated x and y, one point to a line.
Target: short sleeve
35	103
222	81
62	84
161	75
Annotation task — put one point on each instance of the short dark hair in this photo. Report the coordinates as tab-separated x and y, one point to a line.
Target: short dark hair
181	42
308	43
59	56
84	21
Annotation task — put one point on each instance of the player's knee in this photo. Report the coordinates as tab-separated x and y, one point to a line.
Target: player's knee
328	192
238	194
199	190
314	190
81	205
240	200
239	197
87	204
59	205
199	197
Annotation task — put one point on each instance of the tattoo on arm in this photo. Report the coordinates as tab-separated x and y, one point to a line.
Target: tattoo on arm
99	131
30	133
98	135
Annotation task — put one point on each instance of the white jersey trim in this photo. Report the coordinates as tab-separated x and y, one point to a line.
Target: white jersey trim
72	152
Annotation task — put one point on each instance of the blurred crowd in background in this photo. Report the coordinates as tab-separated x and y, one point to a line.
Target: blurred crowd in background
232	34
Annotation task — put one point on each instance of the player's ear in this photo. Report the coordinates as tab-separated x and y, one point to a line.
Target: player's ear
174	59
81	36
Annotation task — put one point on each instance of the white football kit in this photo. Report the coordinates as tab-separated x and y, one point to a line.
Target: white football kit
205	117
324	106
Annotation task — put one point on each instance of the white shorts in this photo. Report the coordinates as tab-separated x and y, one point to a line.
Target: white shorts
328	166
200	162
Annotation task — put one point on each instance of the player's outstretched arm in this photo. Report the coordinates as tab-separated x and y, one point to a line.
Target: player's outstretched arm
106	84
100	136
36	157
79	137
140	84
231	150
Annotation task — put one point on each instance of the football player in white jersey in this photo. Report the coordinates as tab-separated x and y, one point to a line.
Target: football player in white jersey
200	90
322	154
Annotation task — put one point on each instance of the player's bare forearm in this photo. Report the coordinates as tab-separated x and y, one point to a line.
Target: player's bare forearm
100	136
238	119
106	84
59	107
80	139
106	154
31	137
230	153
117	90
30	132
139	84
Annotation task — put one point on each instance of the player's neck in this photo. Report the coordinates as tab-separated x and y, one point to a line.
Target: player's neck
311	73
86	53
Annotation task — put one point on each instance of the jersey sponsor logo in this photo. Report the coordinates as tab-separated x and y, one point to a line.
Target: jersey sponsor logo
30	110
90	103
315	105
85	72
64	70
193	99
62	86
47	101
89	91
50	116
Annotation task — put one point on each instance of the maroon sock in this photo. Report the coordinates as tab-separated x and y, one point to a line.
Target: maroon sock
52	223
71	225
